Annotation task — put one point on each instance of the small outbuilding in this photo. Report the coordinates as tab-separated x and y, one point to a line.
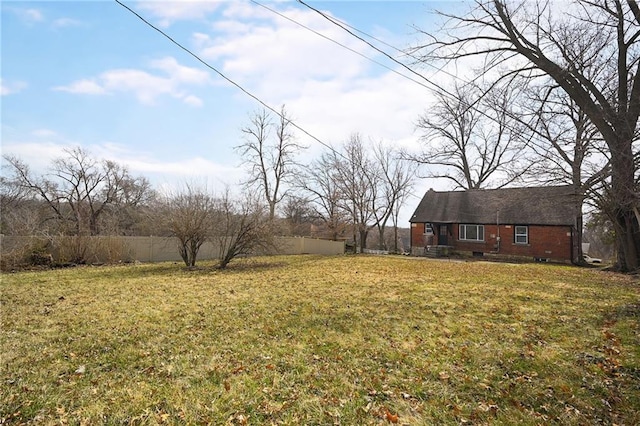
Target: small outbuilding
537	223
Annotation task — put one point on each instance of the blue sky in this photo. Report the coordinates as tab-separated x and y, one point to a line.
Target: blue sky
91	74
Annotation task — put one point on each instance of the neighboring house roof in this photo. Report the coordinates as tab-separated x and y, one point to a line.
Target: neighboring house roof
551	205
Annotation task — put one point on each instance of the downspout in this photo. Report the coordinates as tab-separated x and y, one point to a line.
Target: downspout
410	237
497	232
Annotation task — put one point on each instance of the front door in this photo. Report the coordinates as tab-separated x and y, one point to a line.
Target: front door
443	236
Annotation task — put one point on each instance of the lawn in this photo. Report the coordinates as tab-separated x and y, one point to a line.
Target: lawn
350	340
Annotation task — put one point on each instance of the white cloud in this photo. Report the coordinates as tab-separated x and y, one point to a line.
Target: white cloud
66	22
11	87
84	87
38	154
171	11
179	72
145	86
277	54
44	133
34	14
46	145
30	15
330	91
193	101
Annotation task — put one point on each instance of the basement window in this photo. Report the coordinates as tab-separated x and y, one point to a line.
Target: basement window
521	235
471	233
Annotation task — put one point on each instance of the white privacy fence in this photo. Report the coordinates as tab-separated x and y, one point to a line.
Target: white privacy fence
146	249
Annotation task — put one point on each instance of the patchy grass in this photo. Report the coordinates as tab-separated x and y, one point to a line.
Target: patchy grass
321	340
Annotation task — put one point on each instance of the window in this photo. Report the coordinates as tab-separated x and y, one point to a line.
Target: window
521	235
428	229
472	232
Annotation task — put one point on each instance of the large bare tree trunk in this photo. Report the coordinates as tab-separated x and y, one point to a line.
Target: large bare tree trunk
624	200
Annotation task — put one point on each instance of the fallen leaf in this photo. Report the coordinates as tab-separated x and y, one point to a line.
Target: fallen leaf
393	418
227	386
443	376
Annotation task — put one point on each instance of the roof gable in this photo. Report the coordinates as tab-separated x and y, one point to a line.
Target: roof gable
551	205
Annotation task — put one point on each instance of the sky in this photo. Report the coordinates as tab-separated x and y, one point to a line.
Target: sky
92	74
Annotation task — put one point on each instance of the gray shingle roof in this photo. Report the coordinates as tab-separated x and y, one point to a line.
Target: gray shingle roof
551	205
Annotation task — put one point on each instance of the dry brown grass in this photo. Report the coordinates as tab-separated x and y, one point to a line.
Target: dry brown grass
321	340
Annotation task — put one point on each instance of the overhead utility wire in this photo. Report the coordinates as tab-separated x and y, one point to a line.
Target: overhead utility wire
376	48
227	78
346	27
338	43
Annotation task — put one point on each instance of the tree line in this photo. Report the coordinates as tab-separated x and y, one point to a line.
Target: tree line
344	195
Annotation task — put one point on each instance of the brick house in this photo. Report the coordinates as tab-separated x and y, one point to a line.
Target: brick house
537	223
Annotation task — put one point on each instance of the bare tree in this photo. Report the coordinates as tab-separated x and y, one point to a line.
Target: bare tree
298	215
318	181
242	227
19	211
395	179
537	39
357	183
354	174
566	149
471	139
269	150
188	215
79	189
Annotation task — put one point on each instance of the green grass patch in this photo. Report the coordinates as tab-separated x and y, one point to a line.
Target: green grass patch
321	340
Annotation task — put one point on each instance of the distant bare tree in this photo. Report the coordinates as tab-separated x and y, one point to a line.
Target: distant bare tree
470	139
19	211
298	215
318	182
354	174
242	227
269	151
567	149
394	181
188	215
79	189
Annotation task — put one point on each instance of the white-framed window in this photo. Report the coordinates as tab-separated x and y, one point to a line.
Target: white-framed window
521	234
471	233
428	229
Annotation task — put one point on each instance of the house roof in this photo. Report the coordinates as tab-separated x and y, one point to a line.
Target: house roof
550	205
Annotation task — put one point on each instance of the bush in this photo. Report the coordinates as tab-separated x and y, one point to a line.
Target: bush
24	252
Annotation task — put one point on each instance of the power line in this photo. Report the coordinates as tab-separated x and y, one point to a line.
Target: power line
254	97
346	27
376	48
338	43
344	24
